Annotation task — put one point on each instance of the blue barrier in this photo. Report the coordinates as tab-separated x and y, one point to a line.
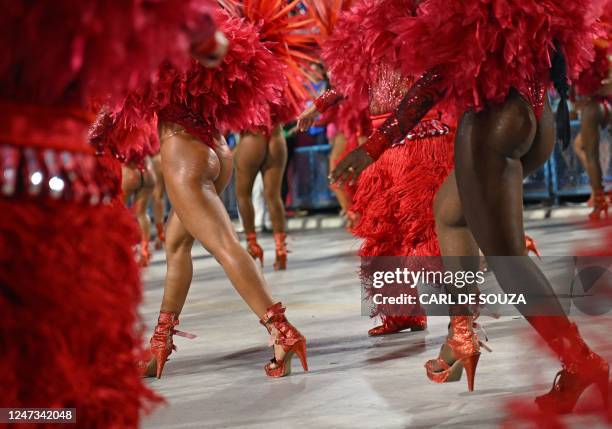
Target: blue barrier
309	186
563	175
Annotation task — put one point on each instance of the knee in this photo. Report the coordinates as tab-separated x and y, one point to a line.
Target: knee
178	245
448	212
226	251
273	197
578	143
244	197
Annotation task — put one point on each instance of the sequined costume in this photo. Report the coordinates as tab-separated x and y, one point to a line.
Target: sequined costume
395	195
69	286
463	69
472	54
239	94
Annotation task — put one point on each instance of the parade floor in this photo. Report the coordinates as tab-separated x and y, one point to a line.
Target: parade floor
217	380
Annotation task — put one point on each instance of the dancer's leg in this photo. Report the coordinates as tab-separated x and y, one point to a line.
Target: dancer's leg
178	251
488	153
159	203
160	190
588	143
272	170
249	156
191	168
179	265
338	145
142	198
454	235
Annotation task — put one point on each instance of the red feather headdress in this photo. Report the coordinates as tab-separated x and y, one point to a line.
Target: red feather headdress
288	34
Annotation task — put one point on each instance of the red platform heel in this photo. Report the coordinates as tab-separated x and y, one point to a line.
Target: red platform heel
460	351
280	262
531	246
581	368
161	236
283	334
395	324
600	206
254	248
161	343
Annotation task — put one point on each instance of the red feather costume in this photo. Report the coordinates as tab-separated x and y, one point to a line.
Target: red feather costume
205	101
69	285
472	54
284	30
395	195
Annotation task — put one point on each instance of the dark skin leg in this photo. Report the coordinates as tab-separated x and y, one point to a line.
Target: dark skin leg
480	205
490	150
586	143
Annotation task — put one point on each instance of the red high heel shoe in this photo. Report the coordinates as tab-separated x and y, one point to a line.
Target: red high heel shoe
284	334
395	324
531	246
280	262
161	236
145	254
462	351
254	248
161	343
581	368
600	205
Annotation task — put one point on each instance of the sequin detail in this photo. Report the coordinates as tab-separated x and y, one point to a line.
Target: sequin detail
326	100
419	99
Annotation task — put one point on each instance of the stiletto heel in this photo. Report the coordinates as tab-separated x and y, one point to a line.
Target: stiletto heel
281	251
600	206
283	334
470	363
161	343
301	352
462	349
254	248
